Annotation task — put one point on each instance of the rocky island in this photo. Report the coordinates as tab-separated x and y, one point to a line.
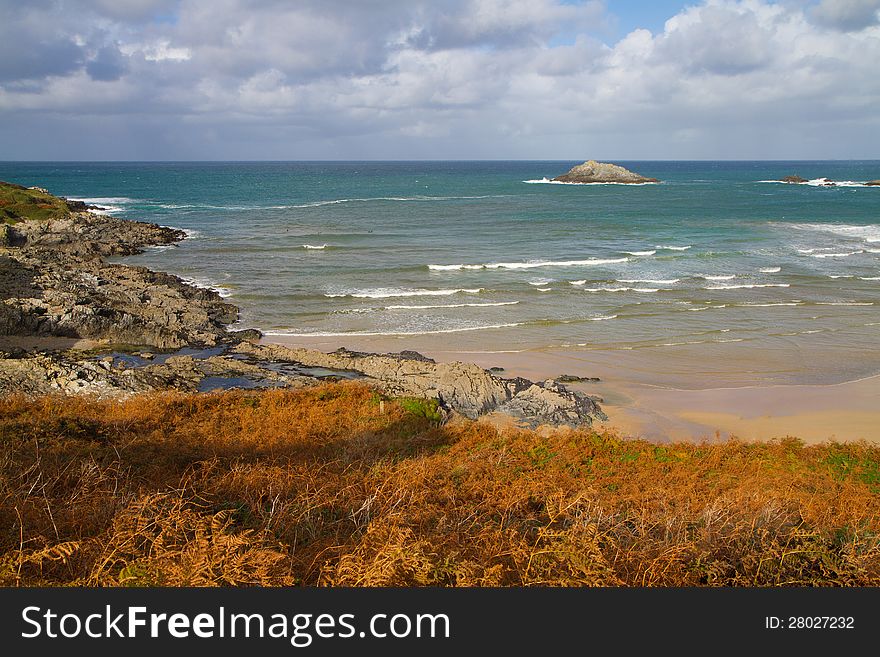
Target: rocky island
824	182
149	331
602	172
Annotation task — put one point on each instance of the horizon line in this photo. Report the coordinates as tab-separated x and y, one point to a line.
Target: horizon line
309	161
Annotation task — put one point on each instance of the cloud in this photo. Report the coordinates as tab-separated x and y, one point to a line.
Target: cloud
460	78
107	65
847	15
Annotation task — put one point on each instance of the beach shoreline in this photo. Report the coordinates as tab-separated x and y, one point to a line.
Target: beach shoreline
650	406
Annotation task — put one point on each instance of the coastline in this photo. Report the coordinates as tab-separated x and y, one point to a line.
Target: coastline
844	412
657	396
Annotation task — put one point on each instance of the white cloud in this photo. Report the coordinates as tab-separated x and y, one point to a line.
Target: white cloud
460	78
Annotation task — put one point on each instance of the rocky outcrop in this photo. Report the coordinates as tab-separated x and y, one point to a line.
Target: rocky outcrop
111	377
601	172
54	281
873	183
461	387
794	180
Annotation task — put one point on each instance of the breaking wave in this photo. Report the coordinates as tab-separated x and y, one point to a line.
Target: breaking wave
388	292
590	262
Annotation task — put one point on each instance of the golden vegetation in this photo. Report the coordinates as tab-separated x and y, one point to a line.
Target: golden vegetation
319	487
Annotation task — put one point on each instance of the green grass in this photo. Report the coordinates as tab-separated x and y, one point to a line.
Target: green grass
18	203
426	408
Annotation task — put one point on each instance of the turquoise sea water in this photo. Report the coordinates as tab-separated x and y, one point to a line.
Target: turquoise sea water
779	282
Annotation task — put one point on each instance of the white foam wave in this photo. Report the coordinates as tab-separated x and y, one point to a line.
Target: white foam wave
844	303
541	281
582	282
642	253
294	334
600	318
590	262
544	289
821	182
315	248
205	284
387	292
454	305
717	277
870	278
107	210
745	285
841	275
835	255
411	199
675	248
869	233
769	305
657	281
621	289
103	200
191	233
770	270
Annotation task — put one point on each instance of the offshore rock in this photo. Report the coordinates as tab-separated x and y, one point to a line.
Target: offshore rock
602	172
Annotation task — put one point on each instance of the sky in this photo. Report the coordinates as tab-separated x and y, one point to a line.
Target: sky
439	79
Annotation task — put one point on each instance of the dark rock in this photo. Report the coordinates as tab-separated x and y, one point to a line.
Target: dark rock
494	370
571	378
601	172
873	183
794	180
246	335
552	403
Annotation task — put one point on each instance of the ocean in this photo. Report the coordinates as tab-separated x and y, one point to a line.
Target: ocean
717	275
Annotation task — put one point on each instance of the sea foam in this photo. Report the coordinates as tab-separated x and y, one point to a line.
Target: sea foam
454	305
590	262
621	289
745	285
292	333
387	292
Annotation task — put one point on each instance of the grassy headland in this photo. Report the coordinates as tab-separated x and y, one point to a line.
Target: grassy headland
19	203
335	485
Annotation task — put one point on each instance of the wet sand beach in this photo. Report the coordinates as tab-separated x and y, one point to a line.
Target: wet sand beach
644	398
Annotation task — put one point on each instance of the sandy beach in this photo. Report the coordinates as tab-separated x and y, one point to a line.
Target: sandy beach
645	398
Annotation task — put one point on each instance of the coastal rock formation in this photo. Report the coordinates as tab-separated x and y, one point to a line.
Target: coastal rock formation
794	180
461	387
54	281
601	172
110	377
873	183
